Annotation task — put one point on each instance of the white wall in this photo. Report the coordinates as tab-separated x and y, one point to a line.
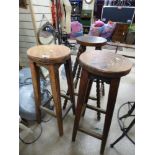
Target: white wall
27	36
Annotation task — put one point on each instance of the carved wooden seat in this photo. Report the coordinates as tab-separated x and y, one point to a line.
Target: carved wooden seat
106	66
51	57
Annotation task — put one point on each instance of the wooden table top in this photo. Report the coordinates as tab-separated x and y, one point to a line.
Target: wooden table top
105	64
49	53
91	41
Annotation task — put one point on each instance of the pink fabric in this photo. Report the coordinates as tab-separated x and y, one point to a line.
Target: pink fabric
76	26
98	23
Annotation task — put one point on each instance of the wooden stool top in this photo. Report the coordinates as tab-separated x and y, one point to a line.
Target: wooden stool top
91	41
105	64
48	53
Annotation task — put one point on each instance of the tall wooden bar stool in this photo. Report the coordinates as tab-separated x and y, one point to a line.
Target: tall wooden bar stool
51	57
106	66
85	41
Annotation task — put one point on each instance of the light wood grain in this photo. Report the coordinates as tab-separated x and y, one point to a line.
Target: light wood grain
106	64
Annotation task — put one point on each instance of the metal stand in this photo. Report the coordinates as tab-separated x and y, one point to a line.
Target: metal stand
125	130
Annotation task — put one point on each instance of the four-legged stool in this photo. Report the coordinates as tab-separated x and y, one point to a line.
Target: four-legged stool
105	66
85	41
51	57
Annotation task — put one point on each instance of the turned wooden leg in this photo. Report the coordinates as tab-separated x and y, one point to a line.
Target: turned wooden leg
84	81
36	87
77	77
102	88
98	48
98	97
55	87
68	69
114	84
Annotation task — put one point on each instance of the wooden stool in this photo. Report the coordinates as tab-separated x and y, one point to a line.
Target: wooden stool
108	67
85	41
51	57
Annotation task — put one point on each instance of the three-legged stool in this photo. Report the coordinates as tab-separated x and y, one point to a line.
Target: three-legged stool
51	57
85	41
106	66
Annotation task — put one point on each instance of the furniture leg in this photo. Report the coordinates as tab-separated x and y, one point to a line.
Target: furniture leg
81	50
102	88
98	97
98	48
68	69
77	77
80	102
114	84
87	95
55	87
35	72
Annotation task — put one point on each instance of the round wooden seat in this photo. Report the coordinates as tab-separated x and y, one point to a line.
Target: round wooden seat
91	41
49	54
105	64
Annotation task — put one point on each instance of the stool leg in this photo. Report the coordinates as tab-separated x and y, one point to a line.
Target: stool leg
81	50
68	69
98	97
77	77
87	95
114	84
55	87
102	88
74	73
36	86
80	101
98	48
